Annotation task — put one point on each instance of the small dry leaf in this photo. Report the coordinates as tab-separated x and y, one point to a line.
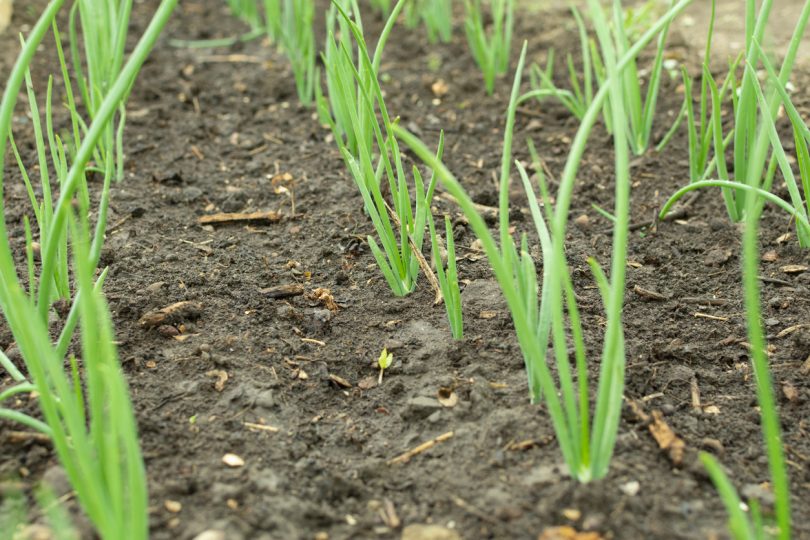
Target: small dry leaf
784	238
666	438
770	256
790	391
221	376
487	314
340	381
302	375
795	268
439	88
173	506
233	461
447	397
567	533
233	504
281	178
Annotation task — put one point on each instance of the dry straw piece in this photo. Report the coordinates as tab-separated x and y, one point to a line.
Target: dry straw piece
6	8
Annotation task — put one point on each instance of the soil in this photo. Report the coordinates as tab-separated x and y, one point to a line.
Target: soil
208	131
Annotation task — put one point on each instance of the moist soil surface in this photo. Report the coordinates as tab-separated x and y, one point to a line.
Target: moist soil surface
290	385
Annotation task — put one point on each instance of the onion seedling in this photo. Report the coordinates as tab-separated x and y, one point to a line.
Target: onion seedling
750	132
700	130
382	6
800	134
343	88
400	257
273	20
753	133
448	280
248	11
384	362
741	526
298	42
586	450
490	49
437	16
579	97
44	210
104	29
640	110
87	411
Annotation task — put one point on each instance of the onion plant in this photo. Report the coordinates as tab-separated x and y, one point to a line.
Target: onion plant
586	439
448	279
273	20
437	16
102	39
332	110
344	90
382	6
753	133
751	138
640	108
50	145
700	129
800	199
13	515
579	97
248	11
743	527
298	42
400	229
86	411
490	48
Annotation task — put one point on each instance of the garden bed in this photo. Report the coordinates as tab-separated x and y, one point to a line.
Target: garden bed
288	384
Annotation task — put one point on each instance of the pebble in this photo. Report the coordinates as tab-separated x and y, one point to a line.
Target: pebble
211	534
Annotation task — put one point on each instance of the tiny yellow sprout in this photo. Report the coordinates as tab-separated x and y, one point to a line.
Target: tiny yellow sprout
384	361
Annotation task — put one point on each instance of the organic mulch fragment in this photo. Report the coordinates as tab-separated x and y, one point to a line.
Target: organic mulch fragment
418	531
790	392
666	438
221	378
339	381
795	268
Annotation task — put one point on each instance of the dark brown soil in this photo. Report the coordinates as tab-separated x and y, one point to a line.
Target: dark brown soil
209	129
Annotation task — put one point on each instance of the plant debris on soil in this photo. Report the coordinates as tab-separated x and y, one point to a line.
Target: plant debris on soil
250	318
